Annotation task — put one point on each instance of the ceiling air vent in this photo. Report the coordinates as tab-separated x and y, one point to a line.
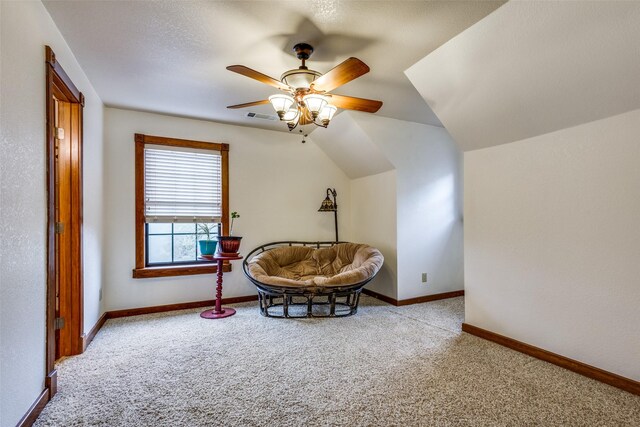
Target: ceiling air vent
261	116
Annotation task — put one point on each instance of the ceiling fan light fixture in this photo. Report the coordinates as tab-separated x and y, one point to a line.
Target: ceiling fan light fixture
281	103
305	94
326	114
299	78
315	103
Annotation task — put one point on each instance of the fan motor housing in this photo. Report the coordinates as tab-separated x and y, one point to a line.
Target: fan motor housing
303	50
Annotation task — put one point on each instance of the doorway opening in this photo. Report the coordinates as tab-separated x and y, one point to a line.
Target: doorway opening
64	104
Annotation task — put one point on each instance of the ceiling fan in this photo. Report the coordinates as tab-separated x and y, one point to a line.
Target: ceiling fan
307	99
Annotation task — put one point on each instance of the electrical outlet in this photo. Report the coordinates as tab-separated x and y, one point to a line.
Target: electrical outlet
424	277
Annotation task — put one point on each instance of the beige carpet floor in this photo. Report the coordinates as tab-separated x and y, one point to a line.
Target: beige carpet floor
385	366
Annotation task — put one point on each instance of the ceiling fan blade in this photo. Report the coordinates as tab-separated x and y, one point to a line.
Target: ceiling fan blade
352	103
256	75
249	104
342	73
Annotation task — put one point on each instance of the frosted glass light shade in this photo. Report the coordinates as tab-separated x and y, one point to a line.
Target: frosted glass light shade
281	103
315	103
299	79
326	114
291	115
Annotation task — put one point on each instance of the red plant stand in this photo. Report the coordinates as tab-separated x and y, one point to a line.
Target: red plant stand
218	312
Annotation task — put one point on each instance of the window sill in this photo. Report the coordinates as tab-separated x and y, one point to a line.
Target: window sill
180	270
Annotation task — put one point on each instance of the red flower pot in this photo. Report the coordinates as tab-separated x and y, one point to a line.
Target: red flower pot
229	244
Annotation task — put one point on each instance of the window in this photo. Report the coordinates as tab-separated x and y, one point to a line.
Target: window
180	185
172	243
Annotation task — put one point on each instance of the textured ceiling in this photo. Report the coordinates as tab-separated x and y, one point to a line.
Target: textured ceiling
534	67
170	57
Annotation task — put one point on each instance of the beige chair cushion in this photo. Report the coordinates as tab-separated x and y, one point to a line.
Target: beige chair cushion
302	266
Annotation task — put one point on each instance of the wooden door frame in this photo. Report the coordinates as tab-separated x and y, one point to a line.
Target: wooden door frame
58	83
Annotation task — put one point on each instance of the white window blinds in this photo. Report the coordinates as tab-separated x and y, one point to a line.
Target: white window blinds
182	184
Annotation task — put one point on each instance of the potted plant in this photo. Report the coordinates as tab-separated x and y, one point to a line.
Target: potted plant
230	244
207	246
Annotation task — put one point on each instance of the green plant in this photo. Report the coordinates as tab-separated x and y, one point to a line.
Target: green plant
234	215
205	229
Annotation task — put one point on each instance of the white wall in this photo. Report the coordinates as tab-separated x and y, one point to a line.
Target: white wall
276	184
93	207
429	208
552	242
25	29
428	195
373	221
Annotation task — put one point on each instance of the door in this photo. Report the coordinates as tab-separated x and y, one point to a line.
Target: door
63	194
64	218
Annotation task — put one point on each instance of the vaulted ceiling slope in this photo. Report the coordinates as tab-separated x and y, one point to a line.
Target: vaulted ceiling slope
351	148
170	57
362	145
531	68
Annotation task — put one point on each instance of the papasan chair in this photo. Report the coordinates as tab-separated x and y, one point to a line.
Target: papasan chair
311	279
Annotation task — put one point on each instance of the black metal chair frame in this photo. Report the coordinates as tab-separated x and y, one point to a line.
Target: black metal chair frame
342	301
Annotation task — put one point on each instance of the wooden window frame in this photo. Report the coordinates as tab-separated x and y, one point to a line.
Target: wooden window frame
141	271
